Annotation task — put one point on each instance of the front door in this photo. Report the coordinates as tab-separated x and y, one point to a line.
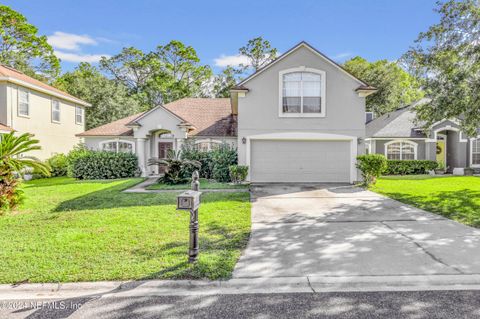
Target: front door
441	150
163	149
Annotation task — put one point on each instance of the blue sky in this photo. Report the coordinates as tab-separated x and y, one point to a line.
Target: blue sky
84	30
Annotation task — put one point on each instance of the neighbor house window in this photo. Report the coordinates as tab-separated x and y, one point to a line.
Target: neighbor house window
117	146
23	103
302	93
476	152
401	150
55	111
78	115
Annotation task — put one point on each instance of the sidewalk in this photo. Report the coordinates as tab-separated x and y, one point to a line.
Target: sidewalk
142	188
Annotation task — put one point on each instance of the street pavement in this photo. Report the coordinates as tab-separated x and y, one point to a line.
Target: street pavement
405	304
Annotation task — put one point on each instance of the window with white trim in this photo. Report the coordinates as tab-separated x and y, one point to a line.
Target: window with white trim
55	111
205	145
476	152
117	146
78	115
302	93
401	150
23	103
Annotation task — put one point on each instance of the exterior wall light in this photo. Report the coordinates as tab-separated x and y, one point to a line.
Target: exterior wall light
244	140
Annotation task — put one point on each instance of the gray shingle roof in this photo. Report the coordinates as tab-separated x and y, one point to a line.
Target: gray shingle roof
399	123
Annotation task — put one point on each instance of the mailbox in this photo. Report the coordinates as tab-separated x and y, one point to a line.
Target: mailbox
189	200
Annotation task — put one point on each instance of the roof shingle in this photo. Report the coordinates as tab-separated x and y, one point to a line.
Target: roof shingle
209	117
8	72
3	127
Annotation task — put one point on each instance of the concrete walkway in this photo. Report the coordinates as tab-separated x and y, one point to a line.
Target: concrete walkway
344	231
142	188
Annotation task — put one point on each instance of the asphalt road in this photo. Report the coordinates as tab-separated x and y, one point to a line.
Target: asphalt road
418	304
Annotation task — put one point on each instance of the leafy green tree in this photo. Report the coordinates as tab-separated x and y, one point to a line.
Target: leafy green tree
395	86
13	160
171	72
110	99
23	49
224	81
259	53
447	57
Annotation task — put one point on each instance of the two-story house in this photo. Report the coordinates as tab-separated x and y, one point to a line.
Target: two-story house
31	106
300	119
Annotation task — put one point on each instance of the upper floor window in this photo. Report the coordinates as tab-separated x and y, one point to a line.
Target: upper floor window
117	146
78	115
302	93
476	152
23	103
55	111
401	150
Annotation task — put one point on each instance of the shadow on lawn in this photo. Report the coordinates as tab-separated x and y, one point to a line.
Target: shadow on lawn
113	197
462	205
219	247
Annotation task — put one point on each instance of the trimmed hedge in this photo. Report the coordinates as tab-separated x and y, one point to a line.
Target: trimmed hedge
410	167
372	167
105	165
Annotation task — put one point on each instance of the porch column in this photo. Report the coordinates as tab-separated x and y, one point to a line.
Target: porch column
140	150
431	150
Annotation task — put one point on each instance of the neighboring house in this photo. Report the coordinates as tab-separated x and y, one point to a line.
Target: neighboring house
396	136
207	122
30	106
301	119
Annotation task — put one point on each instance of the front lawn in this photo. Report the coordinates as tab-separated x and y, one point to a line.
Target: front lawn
457	198
204	184
71	230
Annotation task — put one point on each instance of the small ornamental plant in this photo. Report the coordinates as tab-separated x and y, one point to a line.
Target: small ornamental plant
372	167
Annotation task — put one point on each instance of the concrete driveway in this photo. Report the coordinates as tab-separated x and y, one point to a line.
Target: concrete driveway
341	230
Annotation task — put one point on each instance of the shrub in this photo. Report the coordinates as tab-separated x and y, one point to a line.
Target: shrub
222	159
189	152
77	152
215	163
105	165
12	164
238	173
58	165
372	167
410	167
178	170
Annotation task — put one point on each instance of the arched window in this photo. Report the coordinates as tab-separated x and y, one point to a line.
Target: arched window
117	146
302	92
475	152
401	150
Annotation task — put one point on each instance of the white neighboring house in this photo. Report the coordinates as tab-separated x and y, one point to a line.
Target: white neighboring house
208	122
30	106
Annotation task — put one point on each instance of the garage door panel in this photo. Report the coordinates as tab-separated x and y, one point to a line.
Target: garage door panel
300	161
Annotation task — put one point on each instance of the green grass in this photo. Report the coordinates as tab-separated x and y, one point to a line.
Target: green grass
71	230
457	198
204	184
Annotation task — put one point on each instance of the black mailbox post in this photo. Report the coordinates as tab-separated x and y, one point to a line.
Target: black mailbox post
190	200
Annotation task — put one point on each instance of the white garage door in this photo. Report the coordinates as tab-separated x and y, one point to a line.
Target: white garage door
300	161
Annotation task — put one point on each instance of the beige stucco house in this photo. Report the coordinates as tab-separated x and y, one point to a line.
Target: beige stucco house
30	106
207	122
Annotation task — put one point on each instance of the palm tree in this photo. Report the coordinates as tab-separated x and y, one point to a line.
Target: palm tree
178	170
12	162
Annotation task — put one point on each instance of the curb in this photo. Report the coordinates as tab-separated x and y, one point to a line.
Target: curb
307	284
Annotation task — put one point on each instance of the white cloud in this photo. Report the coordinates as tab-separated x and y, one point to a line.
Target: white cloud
78	57
342	56
69	41
231	60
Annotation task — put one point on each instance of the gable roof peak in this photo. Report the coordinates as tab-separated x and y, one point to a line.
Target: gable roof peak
303	43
